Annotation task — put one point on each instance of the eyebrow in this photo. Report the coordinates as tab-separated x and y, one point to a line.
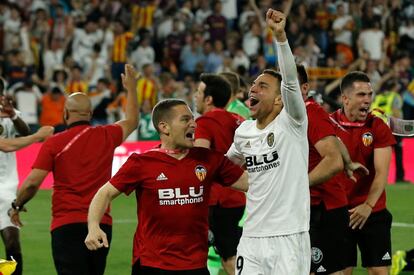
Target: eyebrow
261	83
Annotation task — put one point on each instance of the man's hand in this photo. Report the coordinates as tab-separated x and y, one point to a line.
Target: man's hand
130	77
276	20
6	107
352	167
15	216
44	132
96	238
359	215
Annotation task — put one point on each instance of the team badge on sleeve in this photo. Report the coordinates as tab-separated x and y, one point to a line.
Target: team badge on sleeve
270	139
367	138
200	172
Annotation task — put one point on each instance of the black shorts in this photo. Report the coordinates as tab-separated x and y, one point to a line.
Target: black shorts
138	269
327	233
70	254
373	240
224	223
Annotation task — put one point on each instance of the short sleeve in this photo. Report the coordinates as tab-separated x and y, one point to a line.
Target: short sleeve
320	125
45	158
383	135
115	131
235	155
127	179
203	130
228	172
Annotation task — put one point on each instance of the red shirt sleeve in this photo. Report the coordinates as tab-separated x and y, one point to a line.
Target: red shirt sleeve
204	128
45	158
319	125
228	172
116	133
383	134
127	178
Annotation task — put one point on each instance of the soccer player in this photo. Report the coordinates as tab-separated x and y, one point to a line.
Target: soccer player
329	213
368	140
274	148
81	161
10	125
215	130
172	185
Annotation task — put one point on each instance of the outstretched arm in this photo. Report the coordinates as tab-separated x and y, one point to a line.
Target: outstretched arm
291	95
14	144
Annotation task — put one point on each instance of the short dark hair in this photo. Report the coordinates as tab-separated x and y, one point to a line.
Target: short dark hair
302	75
234	81
275	74
349	79
162	110
218	88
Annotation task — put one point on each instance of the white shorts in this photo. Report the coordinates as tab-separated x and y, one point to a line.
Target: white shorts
6	199
290	254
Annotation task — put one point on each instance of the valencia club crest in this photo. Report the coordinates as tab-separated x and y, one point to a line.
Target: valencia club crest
367	139
201	172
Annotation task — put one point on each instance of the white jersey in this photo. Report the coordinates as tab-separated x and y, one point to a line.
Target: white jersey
276	157
8	170
277	162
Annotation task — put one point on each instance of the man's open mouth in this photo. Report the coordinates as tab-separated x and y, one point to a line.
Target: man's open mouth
253	101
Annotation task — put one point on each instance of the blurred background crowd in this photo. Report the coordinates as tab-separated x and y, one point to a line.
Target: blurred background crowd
52	48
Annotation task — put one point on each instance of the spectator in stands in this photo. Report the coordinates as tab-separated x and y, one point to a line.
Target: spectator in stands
52	105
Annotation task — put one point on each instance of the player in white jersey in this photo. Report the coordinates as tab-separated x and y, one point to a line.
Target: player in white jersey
10	122
274	148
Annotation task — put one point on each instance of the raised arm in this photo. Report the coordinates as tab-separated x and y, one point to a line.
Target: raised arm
96	236
291	95
129	81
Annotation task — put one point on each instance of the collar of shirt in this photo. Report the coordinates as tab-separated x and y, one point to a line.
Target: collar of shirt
77	123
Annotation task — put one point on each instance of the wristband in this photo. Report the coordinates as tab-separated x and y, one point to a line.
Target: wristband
15	117
371	206
16	207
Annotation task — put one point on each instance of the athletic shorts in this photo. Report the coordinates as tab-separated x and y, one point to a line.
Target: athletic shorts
70	254
6	199
224	223
138	269
289	254
373	240
327	233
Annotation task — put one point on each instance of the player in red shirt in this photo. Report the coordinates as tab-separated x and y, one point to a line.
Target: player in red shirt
215	130
368	140
172	185
81	161
329	213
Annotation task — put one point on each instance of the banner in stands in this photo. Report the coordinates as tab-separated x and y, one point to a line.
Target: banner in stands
26	157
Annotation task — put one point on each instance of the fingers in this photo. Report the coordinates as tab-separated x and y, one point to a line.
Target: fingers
15	218
97	241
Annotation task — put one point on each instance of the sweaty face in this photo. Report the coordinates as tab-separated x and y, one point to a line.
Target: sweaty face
357	101
199	97
182	127
262	96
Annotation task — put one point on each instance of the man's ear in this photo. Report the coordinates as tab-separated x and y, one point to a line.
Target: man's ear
278	100
209	100
65	114
164	128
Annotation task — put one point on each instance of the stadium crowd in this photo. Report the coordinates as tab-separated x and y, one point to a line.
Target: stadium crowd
50	49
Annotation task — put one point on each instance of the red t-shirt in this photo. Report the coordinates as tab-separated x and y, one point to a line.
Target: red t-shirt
80	170
332	192
361	139
218	127
172	204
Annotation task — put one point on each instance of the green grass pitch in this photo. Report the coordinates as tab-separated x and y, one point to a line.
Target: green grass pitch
35	234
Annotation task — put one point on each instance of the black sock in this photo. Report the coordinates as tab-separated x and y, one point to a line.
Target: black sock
19	259
409	258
